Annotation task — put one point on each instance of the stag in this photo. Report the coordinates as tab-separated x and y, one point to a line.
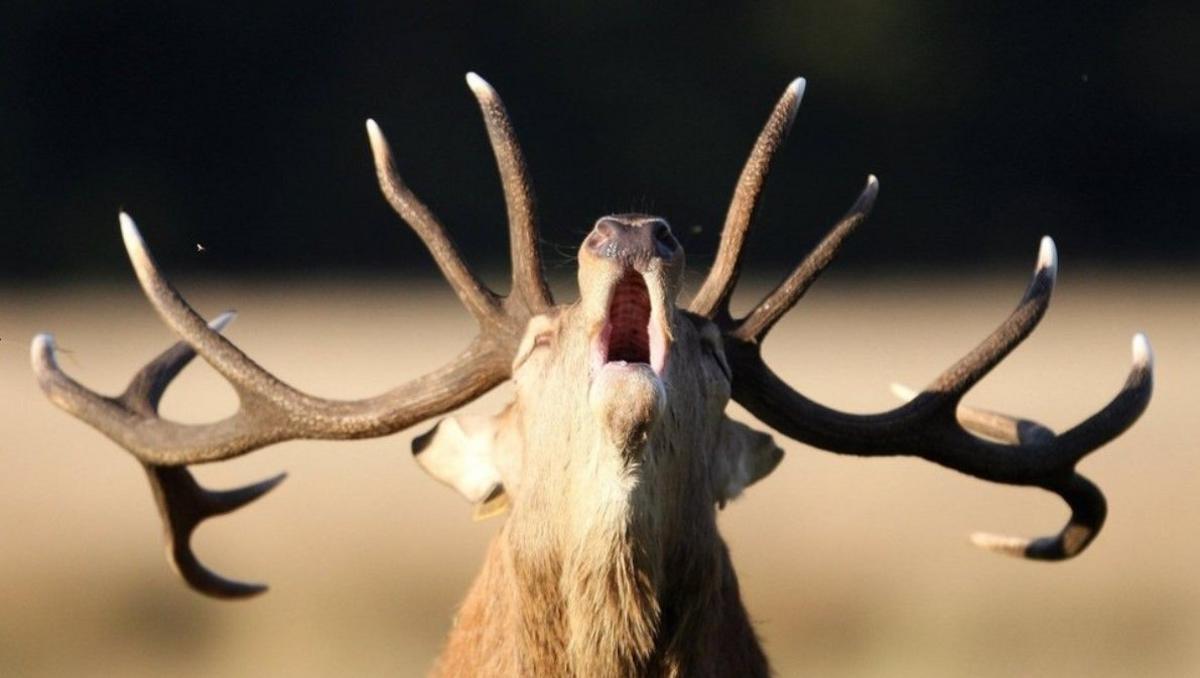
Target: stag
615	453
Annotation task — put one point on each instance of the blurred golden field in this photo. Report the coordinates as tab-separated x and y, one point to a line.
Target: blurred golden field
850	567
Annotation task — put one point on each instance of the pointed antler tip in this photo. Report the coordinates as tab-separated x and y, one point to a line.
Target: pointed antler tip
792	97
479	86
375	134
996	543
902	392
135	247
222	321
866	199
380	151
1143	354
1047	256
226	501
134	244
41	349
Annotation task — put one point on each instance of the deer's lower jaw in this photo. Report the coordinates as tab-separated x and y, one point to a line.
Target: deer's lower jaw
627	400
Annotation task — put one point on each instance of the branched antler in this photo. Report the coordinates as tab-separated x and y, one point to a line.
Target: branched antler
272	411
933	424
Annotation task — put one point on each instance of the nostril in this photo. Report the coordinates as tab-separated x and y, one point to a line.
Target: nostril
662	236
603	233
607	228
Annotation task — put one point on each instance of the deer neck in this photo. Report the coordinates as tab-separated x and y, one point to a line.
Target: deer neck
614	572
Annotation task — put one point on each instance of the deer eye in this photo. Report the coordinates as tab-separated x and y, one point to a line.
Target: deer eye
710	341
540	334
719	356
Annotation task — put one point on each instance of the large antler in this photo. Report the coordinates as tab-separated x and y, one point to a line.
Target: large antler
270	410
933	424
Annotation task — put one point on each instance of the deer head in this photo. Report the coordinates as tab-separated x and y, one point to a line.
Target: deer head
615	451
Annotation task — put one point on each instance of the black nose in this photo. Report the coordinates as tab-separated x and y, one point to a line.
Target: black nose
633	239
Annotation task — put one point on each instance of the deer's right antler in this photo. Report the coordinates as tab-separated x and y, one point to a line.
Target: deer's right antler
933	424
272	411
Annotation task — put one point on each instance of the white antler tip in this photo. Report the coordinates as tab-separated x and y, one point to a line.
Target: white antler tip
222	321
374	133
872	181
130	233
479	86
379	145
903	392
1047	256
1009	546
1143	355
797	86
41	347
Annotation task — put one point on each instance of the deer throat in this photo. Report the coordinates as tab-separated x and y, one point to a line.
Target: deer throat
611	607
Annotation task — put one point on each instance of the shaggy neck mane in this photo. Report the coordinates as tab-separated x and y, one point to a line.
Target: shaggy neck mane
585	593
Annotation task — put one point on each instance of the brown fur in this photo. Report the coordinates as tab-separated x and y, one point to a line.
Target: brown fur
610	563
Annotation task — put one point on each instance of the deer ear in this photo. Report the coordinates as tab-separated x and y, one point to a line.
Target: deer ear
473	455
745	457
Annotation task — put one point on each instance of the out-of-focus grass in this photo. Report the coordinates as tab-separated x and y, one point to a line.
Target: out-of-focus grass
849	566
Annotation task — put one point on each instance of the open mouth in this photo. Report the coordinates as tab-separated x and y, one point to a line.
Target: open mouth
632	334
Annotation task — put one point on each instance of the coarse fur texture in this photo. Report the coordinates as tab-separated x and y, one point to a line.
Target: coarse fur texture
610	563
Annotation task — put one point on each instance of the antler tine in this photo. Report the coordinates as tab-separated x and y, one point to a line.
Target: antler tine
182	503
273	411
479	300
528	277
1088	511
994	425
757	323
1124	409
147	387
933	425
1086	501
136	408
713	298
967	372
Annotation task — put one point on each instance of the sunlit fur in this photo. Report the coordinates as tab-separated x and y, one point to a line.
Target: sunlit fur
609	563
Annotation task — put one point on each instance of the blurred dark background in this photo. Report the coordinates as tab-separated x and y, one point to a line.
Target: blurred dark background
240	127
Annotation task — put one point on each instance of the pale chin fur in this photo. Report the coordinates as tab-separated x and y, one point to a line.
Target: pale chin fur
627	399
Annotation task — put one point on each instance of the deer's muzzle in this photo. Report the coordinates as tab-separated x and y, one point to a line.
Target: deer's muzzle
632	240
